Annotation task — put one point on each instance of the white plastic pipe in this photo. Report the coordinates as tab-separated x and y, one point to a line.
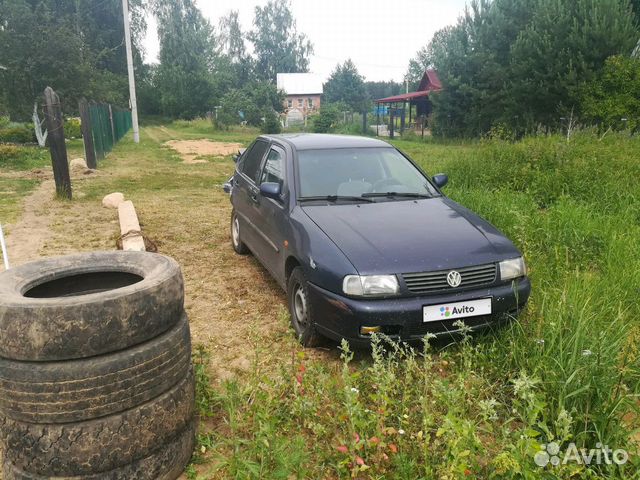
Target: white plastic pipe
4	249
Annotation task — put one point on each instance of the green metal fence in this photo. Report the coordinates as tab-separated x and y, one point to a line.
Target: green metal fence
108	125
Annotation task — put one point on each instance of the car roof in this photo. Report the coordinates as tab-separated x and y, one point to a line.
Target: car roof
321	141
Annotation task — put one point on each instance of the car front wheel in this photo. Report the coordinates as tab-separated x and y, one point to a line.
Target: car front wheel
236	239
301	310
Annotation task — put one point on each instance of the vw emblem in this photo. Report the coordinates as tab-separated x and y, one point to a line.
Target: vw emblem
454	279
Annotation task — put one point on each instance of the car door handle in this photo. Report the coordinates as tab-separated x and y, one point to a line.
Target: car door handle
254	197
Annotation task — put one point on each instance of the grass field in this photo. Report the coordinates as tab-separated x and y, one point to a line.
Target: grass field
567	371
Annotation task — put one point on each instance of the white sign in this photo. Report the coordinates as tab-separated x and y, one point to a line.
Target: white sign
450	311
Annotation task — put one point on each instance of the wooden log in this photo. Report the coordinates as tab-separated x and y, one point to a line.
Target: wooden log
57	146
87	135
130	227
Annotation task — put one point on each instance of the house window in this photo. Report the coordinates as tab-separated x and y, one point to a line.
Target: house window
300	103
290	103
310	102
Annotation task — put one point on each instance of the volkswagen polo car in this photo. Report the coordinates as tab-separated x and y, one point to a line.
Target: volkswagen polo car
363	241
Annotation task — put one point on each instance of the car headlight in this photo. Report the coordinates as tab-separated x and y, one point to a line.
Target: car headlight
514	268
370	285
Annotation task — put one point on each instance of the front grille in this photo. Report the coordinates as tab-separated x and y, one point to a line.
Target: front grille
426	282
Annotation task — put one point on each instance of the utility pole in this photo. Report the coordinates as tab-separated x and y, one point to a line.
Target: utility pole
132	80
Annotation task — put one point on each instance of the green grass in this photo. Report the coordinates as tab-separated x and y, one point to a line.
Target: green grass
12	191
16	162
19	158
567	371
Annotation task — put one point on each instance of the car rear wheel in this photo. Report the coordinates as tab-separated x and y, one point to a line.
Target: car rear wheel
301	309
236	240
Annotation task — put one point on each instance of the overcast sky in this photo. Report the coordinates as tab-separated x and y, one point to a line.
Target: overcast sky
379	36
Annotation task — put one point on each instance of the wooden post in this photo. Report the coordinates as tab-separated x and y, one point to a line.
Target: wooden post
55	127
87	136
364	122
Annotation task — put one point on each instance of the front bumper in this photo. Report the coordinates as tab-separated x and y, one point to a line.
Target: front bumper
339	317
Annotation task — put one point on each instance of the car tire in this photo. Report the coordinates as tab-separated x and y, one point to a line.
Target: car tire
236	240
166	463
80	390
101	445
80	306
301	310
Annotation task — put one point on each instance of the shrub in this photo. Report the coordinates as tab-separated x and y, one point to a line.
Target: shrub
16	157
326	120
72	128
613	99
271	123
18	133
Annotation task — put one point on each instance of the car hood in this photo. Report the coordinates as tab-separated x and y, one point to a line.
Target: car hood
410	236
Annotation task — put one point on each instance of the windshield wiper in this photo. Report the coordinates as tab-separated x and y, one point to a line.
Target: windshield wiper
334	198
396	194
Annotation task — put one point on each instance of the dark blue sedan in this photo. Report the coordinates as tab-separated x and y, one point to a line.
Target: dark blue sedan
363	241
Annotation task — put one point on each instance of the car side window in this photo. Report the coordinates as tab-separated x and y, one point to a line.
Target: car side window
253	158
273	168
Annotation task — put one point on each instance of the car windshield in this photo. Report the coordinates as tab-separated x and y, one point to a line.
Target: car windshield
357	172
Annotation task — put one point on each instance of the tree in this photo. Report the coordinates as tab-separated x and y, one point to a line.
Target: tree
521	63
564	46
75	47
346	85
234	58
250	104
612	100
187	50
383	89
277	45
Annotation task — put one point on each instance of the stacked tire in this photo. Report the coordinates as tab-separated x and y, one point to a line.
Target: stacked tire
95	369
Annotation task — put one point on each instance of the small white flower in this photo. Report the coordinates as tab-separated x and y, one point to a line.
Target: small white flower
586	353
401	432
354	390
540	341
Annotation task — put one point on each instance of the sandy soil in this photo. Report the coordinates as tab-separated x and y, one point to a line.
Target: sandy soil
32	229
190	150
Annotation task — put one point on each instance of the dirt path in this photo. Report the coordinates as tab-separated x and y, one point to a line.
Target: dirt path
234	307
192	150
29	234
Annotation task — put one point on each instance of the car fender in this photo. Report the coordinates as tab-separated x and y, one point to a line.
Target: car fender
323	262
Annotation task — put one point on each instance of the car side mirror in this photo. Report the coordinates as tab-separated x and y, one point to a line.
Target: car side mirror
228	185
440	180
237	156
270	190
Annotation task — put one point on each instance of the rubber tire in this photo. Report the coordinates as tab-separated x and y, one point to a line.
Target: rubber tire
308	335
79	390
81	326
100	445
241	248
167	463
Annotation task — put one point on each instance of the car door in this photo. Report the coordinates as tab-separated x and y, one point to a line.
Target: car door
271	222
245	193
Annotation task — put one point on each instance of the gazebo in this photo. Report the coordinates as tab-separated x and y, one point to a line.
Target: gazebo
396	105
